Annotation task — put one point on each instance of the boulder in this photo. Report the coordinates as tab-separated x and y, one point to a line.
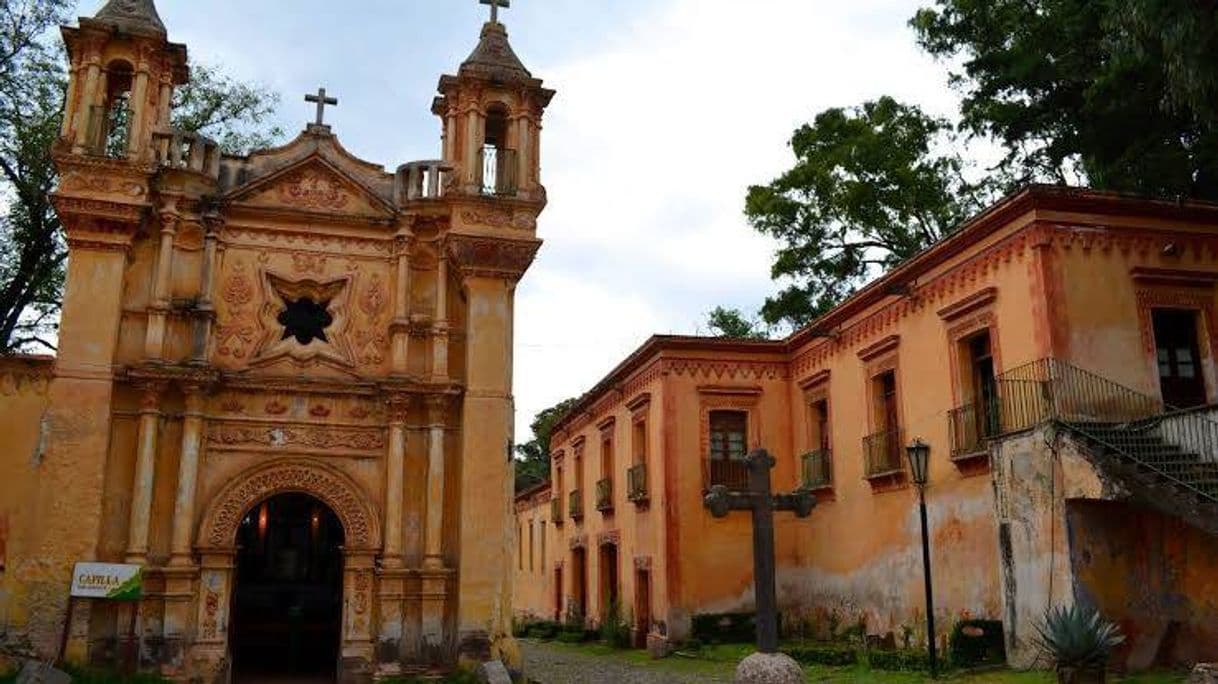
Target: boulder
494	672
658	646
769	668
1204	673
35	672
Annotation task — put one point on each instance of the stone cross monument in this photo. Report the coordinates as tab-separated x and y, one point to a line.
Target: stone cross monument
760	500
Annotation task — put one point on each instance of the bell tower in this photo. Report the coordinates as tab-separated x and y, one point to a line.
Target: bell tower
123	71
492	112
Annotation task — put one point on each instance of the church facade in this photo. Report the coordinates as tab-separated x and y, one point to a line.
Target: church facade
1058	355
284	381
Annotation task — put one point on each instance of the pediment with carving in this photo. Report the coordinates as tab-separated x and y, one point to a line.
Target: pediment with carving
313	186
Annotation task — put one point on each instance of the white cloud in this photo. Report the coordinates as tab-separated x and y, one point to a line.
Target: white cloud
649	149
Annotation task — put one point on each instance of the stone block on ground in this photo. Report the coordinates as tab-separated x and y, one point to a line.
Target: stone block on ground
35	672
658	646
494	672
1204	673
769	668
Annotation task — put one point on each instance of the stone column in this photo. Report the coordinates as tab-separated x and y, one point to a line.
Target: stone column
437	410
158	312
88	96
70	102
439	349
139	108
145	471
400	328
206	310
181	546
395	466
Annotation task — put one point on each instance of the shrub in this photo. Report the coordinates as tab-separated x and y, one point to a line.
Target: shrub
1077	638
726	628
832	656
692	645
569	637
899	661
977	642
83	676
615	629
544	630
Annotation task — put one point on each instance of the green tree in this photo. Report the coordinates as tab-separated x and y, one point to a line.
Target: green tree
32	84
871	186
732	323
1117	94
533	457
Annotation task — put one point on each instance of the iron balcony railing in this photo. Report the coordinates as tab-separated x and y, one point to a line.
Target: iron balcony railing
1179	446
971	425
497	171
882	452
576	505
556	510
604	495
730	473
815	470
636	483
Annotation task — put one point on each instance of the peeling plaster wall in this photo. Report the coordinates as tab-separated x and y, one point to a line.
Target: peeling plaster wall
1154	575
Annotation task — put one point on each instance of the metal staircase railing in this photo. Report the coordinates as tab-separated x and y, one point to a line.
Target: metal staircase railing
1178	446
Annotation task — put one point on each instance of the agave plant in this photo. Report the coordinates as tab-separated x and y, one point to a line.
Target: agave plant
1078	640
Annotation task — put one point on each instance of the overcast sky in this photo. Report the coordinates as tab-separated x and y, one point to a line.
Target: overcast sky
667	110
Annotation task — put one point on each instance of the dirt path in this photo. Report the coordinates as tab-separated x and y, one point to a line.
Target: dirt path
555	664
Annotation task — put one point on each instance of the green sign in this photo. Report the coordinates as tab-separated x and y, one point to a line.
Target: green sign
109	581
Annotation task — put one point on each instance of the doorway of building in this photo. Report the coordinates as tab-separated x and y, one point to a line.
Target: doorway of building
1178	356
642	607
579	585
610	593
287	605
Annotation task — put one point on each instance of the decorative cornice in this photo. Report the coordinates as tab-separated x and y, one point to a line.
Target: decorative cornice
884	346
969	304
485	257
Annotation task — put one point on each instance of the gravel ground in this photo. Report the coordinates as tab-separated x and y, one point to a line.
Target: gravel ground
549	664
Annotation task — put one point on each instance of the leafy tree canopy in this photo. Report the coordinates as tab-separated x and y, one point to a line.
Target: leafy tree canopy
871	186
733	323
32	85
1118	94
533	457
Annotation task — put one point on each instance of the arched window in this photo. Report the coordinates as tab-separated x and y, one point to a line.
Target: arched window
110	121
498	163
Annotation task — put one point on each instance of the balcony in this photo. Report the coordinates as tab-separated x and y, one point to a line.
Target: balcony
497	172
882	454
604	495
576	505
423	180
556	510
186	151
815	470
970	426
732	474
636	483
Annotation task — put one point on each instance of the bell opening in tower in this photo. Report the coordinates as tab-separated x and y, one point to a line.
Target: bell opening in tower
287	608
498	167
109	123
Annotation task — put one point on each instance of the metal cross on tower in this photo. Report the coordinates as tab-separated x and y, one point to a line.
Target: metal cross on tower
321	100
762	503
495	5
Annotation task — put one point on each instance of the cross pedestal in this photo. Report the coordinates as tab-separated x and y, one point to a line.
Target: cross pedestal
762	502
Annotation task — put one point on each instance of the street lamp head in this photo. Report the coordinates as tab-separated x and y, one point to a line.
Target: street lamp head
919	461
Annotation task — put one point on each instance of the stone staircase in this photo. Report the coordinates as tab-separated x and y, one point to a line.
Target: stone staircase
1166	459
1158	473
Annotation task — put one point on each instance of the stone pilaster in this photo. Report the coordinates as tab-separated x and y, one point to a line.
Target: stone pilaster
188	475
158	312
440	328
151	393
400	328
490	268
437	416
395	466
206	309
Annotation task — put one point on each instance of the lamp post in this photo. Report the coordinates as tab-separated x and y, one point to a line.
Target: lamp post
919	466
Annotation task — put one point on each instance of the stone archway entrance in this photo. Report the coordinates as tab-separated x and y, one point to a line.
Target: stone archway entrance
222	532
287	599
